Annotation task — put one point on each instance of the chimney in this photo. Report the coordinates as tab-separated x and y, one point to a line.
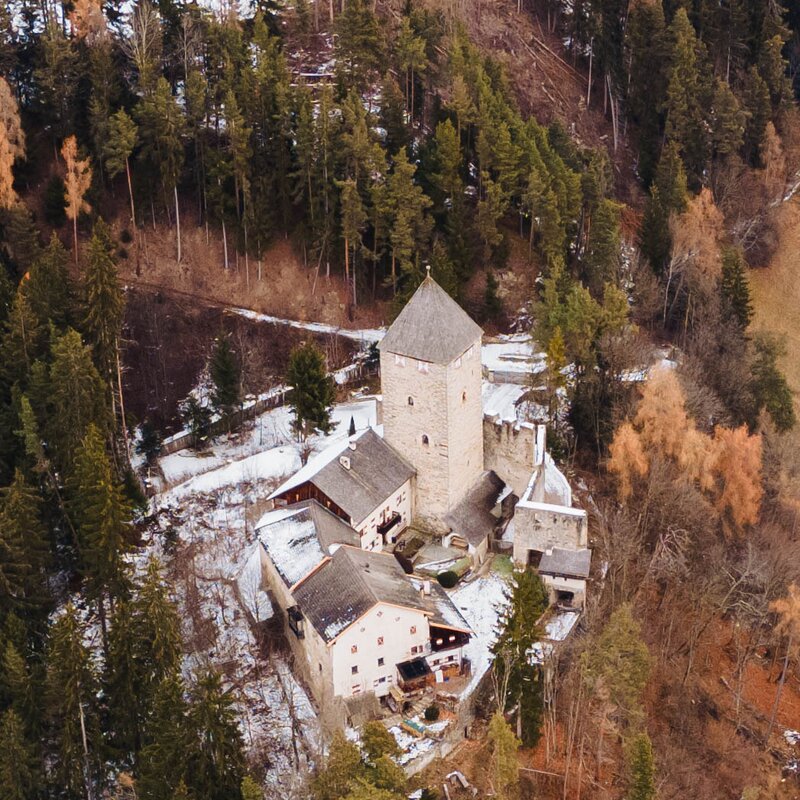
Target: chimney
426	587
344	461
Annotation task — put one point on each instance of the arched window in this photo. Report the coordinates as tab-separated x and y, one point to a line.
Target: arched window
425	439
411	401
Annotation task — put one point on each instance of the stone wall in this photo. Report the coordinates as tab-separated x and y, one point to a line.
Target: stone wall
540	526
508	449
432	416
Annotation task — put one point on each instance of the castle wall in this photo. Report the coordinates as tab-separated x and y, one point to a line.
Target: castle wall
508	449
541	526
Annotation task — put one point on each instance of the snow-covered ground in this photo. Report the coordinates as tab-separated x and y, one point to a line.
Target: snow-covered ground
481	602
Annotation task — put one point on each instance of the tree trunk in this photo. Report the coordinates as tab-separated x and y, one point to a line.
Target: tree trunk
591	63
777	703
130	194
122	409
177	222
225	243
75	236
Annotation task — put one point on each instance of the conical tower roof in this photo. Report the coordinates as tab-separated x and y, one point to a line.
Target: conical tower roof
432	327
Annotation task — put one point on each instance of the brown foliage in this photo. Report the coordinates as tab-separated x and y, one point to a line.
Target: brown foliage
788	610
78	178
88	21
12	143
727	466
737	464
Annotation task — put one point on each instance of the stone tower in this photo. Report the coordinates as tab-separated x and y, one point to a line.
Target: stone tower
431	385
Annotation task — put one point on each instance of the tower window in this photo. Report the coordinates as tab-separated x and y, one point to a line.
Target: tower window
411	401
463	397
425	440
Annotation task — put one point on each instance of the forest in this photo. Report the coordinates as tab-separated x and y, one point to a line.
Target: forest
379	138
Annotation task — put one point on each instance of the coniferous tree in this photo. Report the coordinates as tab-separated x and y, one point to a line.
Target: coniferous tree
24	554
196	416
19	770
103	519
504	769
47	286
521	681
735	287
358	44
603	251
72	706
225	375
215	755
393	114
312	390
24	341
118	149
76	398
641	769
163	759
55	201
343	768
770	388
756	101
157	631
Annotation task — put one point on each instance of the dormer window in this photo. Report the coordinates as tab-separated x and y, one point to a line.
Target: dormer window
425	440
423	366
411	401
457	362
400	361
470	352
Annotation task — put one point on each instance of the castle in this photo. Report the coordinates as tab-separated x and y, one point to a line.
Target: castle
438	466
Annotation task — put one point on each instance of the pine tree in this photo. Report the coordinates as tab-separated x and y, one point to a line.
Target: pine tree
620	660
354	219
215	755
312	390
118	149
163	759
121	679
24	554
161	128
602	257
76	398
19	771
343	768
727	121
71	701
20	686
504	768
684	102
641	768
105	308
516	677
23	342
225	375
413	60
157	631
358	47
103	519
393	114
735	287
756	102
48	288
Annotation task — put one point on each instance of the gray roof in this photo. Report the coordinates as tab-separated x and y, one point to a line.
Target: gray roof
353	581
472	518
568	563
432	327
298	538
376	471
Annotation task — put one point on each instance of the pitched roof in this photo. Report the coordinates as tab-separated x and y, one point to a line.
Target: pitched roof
568	563
353	581
472	517
376	471
432	327
298	538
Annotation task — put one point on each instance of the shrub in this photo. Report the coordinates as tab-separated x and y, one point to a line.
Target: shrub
432	713
122	253
125	237
447	579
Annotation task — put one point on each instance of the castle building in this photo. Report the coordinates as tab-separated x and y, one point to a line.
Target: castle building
431	386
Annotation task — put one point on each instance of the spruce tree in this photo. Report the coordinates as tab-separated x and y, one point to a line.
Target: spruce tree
756	101
19	770
641	769
358	46
102	516
157	631
602	259
118	149
47	287
24	554
163	759
343	768
215	755
225	375
71	693
527	600
76	398
770	388
735	287
196	417
24	341
312	390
